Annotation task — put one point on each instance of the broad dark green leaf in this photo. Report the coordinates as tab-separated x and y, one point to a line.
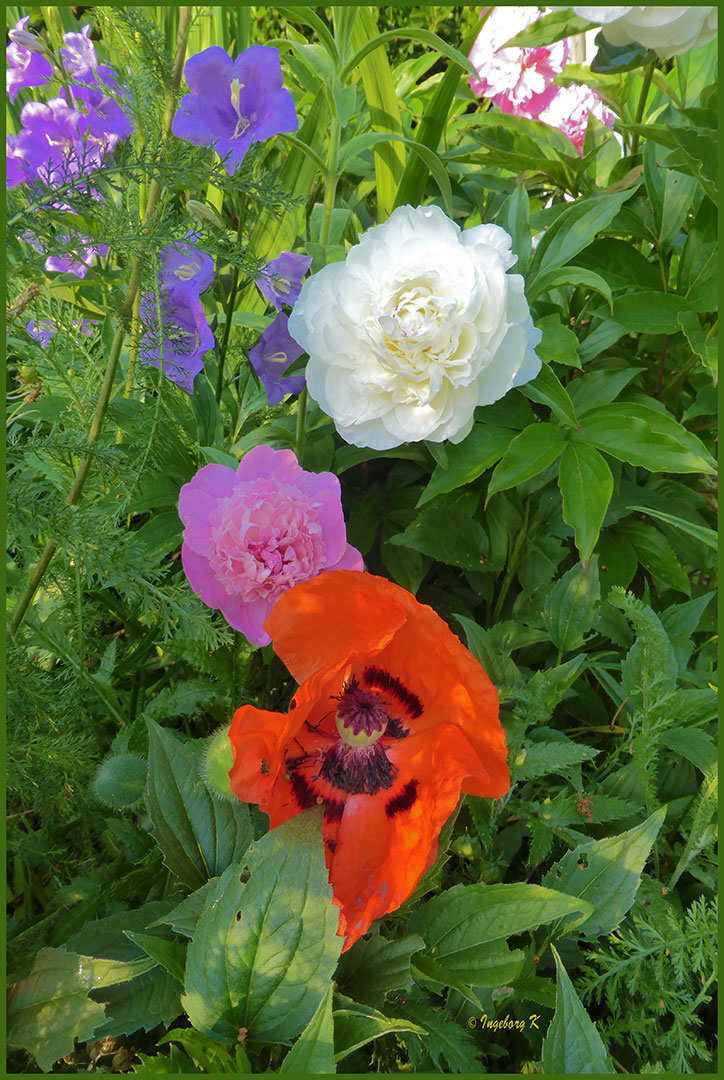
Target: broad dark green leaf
656	553
375	966
313	1052
607	874
513	217
699	532
559	344
169	954
528	454
446	535
620	263
572	605
577	276
648	311
599	387
468	459
612	59
199	835
645	436
547	389
356	1025
693	744
429	971
50	1007
671	194
184	917
572	1044
574	229
460	926
586	485
264	952
152	998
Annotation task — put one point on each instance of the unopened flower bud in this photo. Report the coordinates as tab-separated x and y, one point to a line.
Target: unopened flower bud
202	213
28	40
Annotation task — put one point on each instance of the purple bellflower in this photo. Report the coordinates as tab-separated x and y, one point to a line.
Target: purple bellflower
107	122
79	57
271	358
186	272
234	102
44	330
281	279
186	337
24	66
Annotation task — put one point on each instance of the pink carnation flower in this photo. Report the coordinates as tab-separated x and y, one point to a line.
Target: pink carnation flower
519	81
253	532
569	111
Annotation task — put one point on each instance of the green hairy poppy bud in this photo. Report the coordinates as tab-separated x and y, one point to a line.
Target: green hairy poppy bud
216	762
120	781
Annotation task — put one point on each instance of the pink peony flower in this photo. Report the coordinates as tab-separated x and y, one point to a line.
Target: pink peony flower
569	111
519	81
253	532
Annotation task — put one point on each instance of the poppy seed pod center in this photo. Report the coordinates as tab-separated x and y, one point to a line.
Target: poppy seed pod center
361	717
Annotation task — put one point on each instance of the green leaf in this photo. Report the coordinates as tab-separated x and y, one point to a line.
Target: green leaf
620	263
649	669
152	998
547	389
656	553
50	1007
578	276
648	311
552	756
263	953
549	29
375	966
513	216
427	970
572	605
645	436
446	535
209	422
459	925
607	874
528	454
559	344
694	745
671	194
468	460
612	59
199	835
410	33
496	661
574	229
313	1052
360	143
599	388
572	1044
184	917
356	1025
698	532
170	954
382	102
586	485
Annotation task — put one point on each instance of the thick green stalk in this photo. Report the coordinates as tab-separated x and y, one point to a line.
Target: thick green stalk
648	76
94	432
241	210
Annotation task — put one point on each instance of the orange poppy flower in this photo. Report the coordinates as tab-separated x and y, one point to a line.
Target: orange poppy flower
392	720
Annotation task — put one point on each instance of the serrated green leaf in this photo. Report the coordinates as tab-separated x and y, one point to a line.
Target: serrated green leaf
552	757
528	454
586	485
607	873
313	1052
572	1043
199	835
50	1007
268	969
171	955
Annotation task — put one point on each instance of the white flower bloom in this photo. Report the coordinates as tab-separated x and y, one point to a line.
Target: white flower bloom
419	325
666	30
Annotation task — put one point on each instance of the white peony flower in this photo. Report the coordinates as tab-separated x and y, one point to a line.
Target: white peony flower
419	325
666	30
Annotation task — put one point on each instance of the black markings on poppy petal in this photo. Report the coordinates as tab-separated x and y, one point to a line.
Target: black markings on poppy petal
303	792
382	679
396	729
292	705
332	845
399	803
333	810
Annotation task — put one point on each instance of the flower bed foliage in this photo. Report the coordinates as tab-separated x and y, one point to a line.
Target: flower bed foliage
354	388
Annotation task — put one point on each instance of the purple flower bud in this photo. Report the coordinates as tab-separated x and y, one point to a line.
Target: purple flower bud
234	102
79	57
271	358
26	67
281	279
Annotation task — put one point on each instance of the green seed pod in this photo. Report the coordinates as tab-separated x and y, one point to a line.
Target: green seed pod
120	781
216	762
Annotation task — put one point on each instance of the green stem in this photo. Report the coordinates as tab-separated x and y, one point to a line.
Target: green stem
301	424
648	76
330	181
230	306
81	475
